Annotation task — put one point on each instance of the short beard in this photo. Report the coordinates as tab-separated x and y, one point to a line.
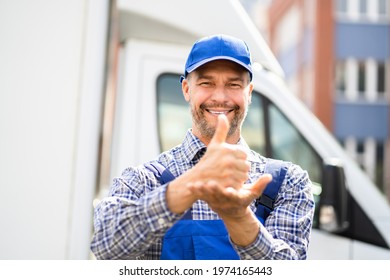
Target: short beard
207	131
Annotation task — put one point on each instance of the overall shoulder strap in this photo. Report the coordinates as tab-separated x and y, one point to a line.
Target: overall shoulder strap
161	173
165	176
265	203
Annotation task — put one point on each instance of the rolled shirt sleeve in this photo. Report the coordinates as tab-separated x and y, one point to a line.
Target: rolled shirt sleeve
127	225
286	232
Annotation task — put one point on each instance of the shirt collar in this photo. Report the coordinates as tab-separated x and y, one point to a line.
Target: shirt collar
191	146
251	155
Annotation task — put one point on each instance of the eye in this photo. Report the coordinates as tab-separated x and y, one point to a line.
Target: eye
234	85
205	84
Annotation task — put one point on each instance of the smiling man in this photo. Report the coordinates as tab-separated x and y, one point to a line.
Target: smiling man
218	87
200	200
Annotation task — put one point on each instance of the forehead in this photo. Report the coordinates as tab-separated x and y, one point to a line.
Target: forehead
221	66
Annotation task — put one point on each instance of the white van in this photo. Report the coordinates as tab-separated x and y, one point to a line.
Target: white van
76	109
352	220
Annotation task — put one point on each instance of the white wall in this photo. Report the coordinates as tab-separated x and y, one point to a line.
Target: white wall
41	95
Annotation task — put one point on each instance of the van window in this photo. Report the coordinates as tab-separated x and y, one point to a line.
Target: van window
174	117
253	129
288	144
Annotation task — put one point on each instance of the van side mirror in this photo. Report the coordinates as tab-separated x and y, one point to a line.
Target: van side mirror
333	210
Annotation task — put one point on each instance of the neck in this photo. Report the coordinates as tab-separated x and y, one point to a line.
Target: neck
231	139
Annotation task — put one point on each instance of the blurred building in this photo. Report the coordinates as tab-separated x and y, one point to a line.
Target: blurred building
258	12
335	54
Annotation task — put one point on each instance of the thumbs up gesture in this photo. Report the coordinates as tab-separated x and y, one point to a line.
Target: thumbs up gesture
221	130
221	176
225	163
218	179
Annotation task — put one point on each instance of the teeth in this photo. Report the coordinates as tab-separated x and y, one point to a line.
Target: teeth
218	112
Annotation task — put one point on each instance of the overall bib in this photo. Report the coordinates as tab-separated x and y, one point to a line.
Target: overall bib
197	240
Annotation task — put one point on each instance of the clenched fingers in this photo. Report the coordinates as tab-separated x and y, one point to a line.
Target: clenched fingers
225	198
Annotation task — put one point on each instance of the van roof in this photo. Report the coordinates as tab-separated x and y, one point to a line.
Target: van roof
183	22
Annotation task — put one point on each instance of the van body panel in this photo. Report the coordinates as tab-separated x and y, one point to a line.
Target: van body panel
144	20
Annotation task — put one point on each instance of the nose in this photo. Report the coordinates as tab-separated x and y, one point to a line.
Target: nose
219	95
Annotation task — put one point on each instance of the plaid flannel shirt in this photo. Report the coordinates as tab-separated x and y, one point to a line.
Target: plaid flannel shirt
131	222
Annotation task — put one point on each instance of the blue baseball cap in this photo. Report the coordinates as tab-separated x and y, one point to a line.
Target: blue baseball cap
218	47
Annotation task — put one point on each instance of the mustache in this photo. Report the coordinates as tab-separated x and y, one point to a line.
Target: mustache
215	105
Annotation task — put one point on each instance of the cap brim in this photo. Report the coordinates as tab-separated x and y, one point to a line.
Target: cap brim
204	61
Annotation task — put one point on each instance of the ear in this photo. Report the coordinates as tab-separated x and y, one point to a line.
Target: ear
185	87
250	93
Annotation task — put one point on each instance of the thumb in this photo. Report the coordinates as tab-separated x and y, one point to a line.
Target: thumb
259	186
221	131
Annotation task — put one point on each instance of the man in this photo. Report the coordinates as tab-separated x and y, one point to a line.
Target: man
208	208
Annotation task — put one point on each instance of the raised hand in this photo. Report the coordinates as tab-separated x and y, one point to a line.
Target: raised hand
222	173
224	163
218	179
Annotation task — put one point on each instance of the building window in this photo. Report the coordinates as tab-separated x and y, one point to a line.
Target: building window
380	162
365	79
356	10
340	77
382	7
370	155
381	79
360	153
341	6
361	78
363	7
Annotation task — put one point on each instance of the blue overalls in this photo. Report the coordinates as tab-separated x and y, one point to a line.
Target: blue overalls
190	239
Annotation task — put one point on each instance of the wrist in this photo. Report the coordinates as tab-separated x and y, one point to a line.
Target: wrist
178	196
239	216
243	229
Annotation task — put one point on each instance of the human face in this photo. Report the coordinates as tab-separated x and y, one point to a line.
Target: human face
218	87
